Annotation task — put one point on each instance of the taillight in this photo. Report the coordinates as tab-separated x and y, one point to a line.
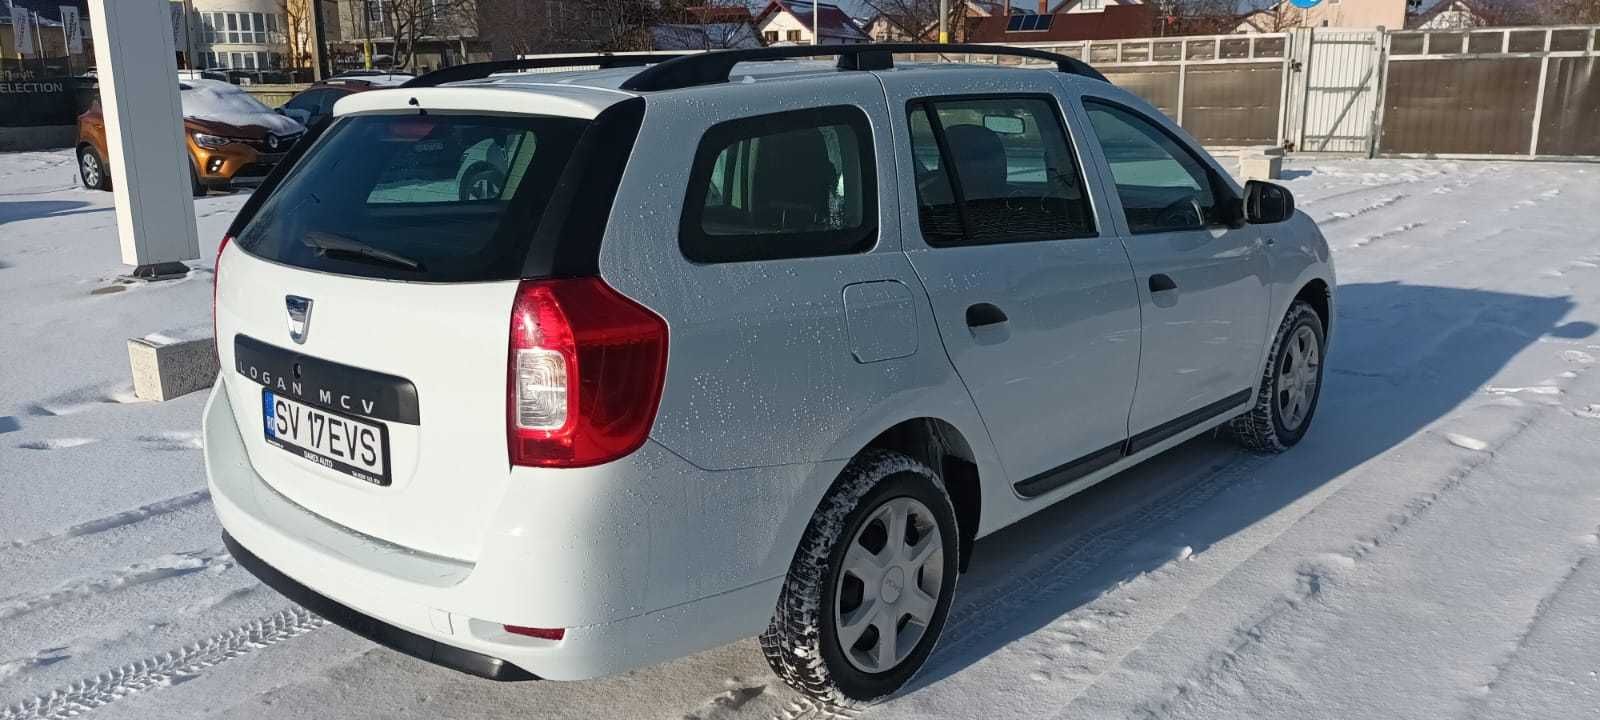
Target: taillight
585	373
216	276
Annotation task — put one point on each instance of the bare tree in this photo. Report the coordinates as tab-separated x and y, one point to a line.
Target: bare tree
406	23
1200	17
1575	12
297	33
918	20
516	27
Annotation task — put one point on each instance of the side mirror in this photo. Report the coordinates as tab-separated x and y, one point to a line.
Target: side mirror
1266	203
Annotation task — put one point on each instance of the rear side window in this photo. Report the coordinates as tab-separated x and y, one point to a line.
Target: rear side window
436	198
996	170
786	185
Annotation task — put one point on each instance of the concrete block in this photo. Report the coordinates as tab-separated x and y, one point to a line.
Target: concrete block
164	368
1261	163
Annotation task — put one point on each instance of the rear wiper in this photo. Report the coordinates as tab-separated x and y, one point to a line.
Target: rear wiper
325	242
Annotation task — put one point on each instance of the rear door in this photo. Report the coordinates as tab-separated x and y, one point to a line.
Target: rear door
364	315
1032	293
1201	277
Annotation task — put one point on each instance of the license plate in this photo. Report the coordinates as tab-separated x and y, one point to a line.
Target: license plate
354	446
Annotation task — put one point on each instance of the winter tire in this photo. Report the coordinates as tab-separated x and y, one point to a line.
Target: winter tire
1291	385
870	586
92	169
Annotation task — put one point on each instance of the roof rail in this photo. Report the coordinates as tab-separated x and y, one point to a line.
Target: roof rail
714	67
478	70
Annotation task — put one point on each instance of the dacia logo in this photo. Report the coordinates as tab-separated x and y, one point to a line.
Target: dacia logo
299	317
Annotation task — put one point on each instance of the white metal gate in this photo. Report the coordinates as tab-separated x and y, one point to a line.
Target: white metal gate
1338	90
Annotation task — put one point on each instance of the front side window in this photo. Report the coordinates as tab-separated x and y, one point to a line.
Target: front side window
994	170
786	185
1163	186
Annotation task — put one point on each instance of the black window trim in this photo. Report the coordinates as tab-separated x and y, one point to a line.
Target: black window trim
1049	99
700	248
1230	208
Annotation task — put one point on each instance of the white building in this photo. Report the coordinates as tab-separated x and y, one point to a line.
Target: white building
235	34
789	21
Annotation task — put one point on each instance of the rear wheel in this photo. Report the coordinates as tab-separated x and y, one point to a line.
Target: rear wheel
92	169
870	587
1290	386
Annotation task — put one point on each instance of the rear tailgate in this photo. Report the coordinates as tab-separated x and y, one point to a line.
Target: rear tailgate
449	341
364	305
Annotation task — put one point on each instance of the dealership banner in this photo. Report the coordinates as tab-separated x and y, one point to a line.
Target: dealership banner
73	29
22	30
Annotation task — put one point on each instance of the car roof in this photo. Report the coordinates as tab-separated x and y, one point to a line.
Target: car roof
747	72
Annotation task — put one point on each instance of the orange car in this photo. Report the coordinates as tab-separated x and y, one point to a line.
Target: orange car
232	138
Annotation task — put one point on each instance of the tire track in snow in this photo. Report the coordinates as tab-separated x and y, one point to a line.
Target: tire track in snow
1397	231
1379	204
1540	611
985	615
164	669
116	520
160	568
1310	577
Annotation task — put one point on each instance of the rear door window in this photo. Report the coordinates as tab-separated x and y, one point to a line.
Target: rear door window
437	198
786	185
996	170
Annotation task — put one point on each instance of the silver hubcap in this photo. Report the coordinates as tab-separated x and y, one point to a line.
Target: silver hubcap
884	599
91	169
1297	378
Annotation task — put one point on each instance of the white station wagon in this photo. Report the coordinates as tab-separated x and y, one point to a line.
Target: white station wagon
560	374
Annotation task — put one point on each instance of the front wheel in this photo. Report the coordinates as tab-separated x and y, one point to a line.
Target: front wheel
92	169
1290	386
870	587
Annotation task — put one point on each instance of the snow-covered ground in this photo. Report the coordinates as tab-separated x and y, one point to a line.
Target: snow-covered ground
1429	551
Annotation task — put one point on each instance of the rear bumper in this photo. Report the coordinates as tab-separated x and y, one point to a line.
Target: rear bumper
686	560
371	628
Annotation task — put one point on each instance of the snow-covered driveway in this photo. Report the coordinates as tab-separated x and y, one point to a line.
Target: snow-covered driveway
1428	552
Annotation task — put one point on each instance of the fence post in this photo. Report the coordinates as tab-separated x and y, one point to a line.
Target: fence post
1538	103
1310	36
1380	90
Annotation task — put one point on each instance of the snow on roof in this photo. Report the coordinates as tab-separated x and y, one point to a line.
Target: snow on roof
377	79
831	21
221	102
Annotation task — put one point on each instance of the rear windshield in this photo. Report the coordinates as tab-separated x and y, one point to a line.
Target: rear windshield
434	198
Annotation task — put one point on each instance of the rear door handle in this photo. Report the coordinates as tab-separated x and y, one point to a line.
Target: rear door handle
984	314
1161	282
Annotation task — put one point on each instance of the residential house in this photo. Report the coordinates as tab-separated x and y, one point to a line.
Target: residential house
1089	6
1351	14
1465	14
790	22
1110	21
707	28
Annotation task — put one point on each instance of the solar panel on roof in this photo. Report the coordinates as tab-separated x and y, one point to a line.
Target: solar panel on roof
1045	20
1015	23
